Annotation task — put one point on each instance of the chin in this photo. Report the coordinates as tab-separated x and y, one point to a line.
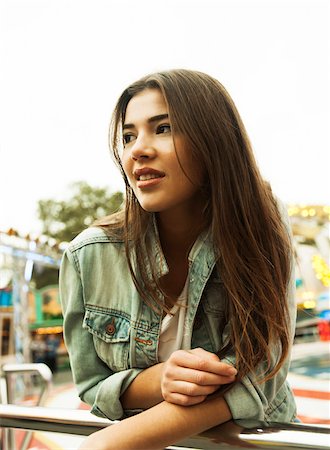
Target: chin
150	208
149	204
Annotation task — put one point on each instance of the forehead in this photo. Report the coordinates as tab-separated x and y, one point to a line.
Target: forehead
144	105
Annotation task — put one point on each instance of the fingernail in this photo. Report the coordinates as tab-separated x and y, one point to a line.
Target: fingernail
232	371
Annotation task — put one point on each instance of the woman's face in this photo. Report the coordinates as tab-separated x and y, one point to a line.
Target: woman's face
151	157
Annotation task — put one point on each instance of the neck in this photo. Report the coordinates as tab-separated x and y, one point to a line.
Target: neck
178	235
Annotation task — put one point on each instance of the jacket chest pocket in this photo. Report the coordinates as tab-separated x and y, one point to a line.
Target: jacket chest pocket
111	335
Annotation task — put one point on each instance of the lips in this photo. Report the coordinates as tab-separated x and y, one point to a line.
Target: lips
147	173
147	177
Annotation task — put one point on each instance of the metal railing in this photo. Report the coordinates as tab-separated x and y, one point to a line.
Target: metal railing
229	436
42	371
7	394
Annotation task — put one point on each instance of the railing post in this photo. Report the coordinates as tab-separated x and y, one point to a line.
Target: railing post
45	374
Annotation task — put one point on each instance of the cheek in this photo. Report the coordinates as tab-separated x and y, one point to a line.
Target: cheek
127	166
191	165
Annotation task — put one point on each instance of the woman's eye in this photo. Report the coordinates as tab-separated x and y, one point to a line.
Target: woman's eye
127	138
165	128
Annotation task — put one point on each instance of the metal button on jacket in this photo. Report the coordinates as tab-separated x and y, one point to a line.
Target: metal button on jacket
110	328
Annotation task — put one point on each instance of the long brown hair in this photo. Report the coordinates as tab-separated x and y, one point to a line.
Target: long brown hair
247	229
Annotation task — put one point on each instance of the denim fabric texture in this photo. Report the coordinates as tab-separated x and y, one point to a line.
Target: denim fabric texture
111	335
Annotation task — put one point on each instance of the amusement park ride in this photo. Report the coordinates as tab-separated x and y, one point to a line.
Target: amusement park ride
18	258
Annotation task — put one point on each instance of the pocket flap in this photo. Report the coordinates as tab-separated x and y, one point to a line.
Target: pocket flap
108	324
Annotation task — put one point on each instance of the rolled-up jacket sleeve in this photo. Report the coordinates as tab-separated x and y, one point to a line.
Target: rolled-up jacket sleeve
97	385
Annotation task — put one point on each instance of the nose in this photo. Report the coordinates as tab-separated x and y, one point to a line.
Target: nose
142	149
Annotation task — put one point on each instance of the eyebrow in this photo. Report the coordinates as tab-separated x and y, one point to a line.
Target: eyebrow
150	120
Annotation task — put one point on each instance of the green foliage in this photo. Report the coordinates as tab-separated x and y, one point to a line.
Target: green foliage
63	220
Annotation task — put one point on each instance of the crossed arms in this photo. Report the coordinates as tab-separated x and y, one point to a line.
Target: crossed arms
174	396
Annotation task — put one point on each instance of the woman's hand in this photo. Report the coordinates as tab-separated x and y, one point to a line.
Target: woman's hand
189	376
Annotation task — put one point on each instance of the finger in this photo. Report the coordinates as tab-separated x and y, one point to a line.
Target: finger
193	361
200	378
192	389
183	400
228	368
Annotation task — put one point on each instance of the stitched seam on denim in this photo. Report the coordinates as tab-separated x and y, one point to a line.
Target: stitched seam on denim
136	324
75	261
139	326
93	240
108	311
105	337
192	273
274	406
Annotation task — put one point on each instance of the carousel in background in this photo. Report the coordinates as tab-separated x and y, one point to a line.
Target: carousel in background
30	311
310	227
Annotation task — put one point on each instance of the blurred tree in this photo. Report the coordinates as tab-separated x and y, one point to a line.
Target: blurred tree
63	220
44	276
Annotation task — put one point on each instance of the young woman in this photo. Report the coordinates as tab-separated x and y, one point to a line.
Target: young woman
181	307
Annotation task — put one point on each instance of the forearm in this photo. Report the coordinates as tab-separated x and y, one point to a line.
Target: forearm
160	426
186	378
144	391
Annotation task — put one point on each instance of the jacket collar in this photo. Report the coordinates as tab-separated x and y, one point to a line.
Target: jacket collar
201	254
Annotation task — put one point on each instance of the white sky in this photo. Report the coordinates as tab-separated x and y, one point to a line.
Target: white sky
65	62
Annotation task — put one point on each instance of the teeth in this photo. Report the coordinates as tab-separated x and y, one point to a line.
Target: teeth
147	177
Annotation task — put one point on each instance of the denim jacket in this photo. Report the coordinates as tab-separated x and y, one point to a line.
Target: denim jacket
112	336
